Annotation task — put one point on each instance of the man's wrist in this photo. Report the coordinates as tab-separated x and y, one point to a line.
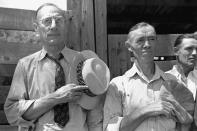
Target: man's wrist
55	98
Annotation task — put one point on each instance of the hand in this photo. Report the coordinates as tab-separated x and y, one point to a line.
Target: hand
159	108
69	93
181	114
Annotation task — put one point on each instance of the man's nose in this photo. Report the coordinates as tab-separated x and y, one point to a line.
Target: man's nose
146	43
53	24
194	52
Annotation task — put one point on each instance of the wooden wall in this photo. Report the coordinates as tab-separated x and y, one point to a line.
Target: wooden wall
17	40
89	26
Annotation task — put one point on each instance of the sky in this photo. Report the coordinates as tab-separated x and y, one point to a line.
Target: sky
31	4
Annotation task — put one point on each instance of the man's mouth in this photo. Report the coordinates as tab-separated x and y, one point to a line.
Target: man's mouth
191	59
49	34
53	34
146	51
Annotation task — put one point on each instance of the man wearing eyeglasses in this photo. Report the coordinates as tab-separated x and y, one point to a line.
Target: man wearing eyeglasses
40	97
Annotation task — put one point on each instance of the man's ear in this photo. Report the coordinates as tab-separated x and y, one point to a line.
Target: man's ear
128	46
175	49
35	26
36	29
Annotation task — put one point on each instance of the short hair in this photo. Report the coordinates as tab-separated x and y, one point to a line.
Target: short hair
44	5
139	25
180	38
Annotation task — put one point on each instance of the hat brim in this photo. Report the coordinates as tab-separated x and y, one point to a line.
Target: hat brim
181	94
86	102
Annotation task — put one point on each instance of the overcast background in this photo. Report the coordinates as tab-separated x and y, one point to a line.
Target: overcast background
30	4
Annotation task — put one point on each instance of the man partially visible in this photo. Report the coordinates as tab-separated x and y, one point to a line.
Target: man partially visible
41	97
193	83
185	49
135	100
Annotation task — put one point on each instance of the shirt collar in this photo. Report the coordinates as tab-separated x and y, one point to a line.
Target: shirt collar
42	54
136	70
66	52
178	71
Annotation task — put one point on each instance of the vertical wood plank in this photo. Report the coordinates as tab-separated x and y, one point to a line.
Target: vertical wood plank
74	28
87	25
100	7
3	119
4	92
119	57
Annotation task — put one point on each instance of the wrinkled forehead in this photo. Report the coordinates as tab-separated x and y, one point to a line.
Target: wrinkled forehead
49	11
145	31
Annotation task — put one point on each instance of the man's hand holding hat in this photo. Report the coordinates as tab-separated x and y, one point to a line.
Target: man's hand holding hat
69	93
93	73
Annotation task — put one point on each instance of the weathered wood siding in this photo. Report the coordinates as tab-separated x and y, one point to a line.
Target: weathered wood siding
89	26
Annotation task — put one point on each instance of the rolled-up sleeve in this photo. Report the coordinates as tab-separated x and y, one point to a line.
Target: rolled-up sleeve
113	108
17	101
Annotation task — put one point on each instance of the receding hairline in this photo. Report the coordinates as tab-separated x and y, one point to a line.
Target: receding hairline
47	5
181	37
131	31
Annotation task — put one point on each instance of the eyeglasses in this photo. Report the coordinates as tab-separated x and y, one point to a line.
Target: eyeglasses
48	21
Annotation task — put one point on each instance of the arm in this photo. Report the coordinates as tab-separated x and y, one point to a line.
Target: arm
67	93
113	115
17	101
183	117
112	111
181	114
135	118
183	127
40	106
20	110
132	121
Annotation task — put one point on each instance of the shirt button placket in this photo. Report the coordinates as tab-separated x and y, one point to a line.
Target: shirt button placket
150	92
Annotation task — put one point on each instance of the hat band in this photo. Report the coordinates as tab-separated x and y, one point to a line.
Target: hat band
81	81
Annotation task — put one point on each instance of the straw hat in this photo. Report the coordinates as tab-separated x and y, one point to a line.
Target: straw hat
93	73
180	93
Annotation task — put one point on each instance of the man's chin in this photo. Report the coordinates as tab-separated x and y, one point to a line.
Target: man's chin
53	41
147	58
189	64
191	61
